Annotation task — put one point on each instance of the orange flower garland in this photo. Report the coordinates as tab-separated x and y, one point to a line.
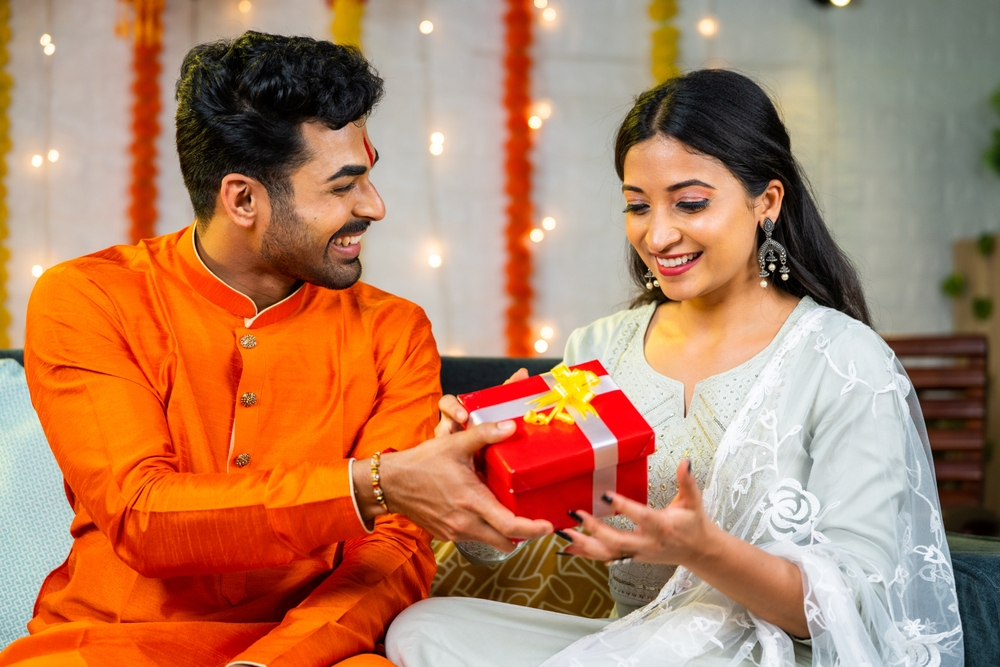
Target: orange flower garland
146	28
517	64
6	83
346	24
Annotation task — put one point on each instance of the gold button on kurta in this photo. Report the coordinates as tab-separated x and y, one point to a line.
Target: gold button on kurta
242	460
249	399
248	341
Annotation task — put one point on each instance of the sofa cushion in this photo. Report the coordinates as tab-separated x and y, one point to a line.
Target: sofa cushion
34	513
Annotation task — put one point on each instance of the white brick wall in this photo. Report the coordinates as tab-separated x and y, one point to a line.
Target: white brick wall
885	100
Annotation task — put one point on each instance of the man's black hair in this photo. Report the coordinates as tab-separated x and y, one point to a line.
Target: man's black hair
241	104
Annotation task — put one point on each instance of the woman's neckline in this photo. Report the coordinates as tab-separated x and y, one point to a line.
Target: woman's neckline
805	303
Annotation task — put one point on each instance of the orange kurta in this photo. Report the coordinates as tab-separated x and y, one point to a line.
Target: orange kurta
154	381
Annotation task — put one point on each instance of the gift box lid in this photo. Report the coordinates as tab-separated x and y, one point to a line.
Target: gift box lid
539	455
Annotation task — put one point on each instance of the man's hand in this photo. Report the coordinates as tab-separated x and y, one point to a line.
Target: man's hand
436	486
454	416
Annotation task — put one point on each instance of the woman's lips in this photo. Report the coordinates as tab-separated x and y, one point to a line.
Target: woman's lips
675	266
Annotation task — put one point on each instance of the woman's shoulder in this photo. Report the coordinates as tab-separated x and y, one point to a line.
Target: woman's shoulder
600	337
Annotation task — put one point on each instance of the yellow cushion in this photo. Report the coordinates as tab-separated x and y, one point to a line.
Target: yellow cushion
534	577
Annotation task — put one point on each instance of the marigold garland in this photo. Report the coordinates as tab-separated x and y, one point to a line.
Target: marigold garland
144	23
517	100
6	83
663	60
346	24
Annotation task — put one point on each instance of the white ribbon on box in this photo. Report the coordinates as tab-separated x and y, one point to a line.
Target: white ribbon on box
600	437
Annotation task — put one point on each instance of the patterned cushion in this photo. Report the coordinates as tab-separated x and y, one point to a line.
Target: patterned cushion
34	514
533	577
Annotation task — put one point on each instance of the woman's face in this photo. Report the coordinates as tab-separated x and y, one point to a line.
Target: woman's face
691	221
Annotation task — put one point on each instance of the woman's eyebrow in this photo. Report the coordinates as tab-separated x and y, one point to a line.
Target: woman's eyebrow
685	184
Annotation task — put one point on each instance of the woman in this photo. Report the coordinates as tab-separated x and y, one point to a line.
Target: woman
817	539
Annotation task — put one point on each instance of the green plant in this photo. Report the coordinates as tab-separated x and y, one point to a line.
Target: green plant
982	307
985	244
953	285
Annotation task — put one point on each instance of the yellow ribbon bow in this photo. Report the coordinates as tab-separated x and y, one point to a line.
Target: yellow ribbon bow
573	388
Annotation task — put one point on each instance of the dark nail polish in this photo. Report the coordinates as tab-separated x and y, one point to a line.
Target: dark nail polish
689	465
563	535
606	498
563	553
576	517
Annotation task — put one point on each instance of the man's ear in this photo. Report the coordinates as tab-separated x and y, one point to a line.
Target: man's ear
244	200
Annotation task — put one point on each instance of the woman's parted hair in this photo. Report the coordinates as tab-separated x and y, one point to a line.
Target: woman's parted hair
727	116
241	103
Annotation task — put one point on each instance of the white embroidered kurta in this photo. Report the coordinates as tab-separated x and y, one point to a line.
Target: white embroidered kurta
825	462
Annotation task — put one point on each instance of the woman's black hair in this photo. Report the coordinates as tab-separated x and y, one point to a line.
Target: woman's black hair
241	104
727	116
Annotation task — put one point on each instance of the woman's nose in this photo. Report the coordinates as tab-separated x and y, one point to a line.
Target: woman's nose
662	234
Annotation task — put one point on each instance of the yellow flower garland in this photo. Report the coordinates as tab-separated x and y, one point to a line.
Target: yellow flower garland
346	25
6	83
663	61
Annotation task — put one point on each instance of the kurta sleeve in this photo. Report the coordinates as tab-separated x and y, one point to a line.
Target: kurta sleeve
108	430
384	572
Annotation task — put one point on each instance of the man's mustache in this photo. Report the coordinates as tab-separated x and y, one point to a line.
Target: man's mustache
353	228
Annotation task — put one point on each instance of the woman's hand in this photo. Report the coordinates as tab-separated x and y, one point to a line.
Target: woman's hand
678	534
454	416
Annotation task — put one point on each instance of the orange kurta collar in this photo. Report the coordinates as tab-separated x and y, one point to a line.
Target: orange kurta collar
218	292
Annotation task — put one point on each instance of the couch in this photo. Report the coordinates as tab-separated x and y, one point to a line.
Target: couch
34	516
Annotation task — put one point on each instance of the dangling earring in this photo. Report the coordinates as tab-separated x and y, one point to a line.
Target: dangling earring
651	282
766	253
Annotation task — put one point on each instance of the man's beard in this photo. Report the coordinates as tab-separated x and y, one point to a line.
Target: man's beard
287	248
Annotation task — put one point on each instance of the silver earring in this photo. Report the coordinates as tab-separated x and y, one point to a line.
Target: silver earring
765	255
651	282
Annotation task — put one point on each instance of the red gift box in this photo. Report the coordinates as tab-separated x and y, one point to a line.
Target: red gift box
543	471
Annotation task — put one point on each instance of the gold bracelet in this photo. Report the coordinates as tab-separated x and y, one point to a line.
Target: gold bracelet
376	487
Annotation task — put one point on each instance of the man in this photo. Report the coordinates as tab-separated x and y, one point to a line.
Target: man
217	397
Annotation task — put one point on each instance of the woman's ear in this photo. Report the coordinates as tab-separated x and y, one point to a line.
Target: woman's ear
244	199
769	202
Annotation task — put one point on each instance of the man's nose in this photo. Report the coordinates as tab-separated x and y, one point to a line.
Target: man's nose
370	206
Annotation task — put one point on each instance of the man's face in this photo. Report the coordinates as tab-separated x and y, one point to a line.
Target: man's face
314	234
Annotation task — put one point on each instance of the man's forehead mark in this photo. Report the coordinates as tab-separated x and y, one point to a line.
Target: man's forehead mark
368	149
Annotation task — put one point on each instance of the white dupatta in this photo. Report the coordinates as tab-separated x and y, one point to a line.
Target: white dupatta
827	465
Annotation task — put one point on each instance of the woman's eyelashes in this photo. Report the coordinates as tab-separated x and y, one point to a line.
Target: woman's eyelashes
635	208
693	206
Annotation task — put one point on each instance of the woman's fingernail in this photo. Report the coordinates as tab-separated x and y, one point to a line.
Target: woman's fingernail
576	517
606	498
563	553
689	465
564	535
505	425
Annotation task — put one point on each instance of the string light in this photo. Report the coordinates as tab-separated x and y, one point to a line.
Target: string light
534	122
546	332
549	223
549	14
245	6
45	39
543	110
541	4
434	261
426	27
37	270
536	235
541	347
437	143
49	49
53	155
36	160
708	26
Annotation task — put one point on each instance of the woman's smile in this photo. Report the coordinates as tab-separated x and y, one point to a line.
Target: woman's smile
674	265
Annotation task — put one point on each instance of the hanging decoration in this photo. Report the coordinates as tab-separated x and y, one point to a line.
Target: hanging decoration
663	60
346	25
142	21
517	101
6	83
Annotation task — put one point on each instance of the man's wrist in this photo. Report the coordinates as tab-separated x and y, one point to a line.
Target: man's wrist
364	492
